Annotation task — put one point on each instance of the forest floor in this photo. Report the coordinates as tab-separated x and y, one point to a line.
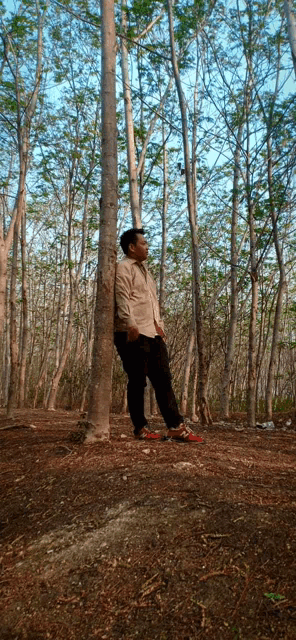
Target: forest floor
132	540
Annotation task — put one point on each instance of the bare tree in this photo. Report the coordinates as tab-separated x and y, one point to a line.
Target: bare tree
25	109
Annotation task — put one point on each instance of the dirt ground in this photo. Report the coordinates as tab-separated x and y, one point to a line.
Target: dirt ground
146	541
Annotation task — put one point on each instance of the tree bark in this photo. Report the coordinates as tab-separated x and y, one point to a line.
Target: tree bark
101	374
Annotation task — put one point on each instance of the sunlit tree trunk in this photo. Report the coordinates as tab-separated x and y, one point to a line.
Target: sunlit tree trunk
101	373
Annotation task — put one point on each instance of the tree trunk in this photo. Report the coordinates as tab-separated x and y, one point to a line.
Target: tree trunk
291	24
3	280
129	125
101	374
58	373
187	368
163	226
13	378
202	371
251	390
281	290
194	416
25	336
234	291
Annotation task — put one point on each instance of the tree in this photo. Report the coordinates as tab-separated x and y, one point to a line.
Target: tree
101	373
25	94
202	378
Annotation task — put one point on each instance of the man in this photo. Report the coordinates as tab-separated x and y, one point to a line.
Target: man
139	339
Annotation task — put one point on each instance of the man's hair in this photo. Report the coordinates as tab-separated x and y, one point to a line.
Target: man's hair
129	237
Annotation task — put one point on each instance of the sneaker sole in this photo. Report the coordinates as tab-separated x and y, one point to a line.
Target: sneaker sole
182	441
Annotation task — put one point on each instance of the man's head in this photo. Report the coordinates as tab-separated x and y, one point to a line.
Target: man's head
134	244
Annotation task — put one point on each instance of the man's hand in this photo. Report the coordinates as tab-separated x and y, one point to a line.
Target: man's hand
133	334
159	330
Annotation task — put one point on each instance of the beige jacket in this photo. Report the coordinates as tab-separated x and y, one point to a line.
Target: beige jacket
136	298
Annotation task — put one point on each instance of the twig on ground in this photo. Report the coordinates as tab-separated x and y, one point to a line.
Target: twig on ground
203	614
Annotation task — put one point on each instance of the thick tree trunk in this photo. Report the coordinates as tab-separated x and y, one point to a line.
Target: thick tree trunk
202	371
101	374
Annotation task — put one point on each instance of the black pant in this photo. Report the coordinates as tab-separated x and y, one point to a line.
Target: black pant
147	357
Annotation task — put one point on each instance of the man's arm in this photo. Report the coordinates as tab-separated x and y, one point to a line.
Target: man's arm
123	287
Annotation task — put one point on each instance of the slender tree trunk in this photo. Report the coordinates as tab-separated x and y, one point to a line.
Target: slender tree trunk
124	405
163	226
129	124
187	368
3	280
281	290
5	370
13	379
194	416
66	350
251	391
67	343
101	374
202	373
291	24
234	290
25	336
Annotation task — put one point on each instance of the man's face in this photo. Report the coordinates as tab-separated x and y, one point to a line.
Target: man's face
139	251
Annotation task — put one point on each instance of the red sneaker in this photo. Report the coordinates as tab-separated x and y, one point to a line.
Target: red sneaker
145	434
183	433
